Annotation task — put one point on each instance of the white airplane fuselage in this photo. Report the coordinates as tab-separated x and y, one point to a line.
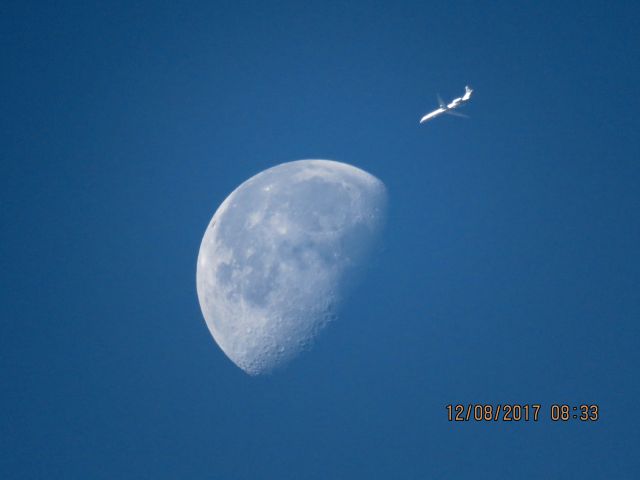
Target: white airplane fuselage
447	108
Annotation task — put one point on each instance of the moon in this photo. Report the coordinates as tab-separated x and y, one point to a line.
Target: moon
279	255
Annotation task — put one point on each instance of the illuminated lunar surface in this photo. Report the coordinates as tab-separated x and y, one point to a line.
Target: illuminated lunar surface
279	254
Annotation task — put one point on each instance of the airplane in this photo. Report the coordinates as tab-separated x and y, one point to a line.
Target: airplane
448	108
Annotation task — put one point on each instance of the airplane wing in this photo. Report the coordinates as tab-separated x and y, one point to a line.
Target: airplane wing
456	114
440	101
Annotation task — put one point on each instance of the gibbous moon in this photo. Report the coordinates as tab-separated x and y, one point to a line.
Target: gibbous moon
279	254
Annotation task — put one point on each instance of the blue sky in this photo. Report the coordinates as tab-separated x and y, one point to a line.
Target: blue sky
510	271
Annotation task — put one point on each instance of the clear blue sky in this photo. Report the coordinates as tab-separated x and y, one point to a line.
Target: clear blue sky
511	271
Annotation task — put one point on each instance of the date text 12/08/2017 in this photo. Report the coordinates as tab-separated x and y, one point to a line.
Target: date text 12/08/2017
526	412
